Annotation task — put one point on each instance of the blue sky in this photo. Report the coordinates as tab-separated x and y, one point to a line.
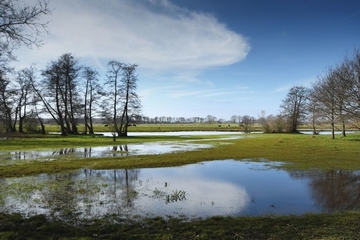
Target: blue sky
204	57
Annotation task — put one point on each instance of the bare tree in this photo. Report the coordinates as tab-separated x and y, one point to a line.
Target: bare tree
247	122
110	105
7	103
122	103
93	93
210	119
264	122
343	85
324	92
70	70
23	80
59	92
353	102
233	119
51	94
294	106
313	109
131	101
20	25
35	100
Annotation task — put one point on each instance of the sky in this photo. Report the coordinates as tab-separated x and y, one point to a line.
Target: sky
204	57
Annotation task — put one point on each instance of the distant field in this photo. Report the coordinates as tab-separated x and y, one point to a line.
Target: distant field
162	127
170	127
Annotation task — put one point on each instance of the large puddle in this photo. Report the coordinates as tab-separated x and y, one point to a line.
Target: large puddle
226	188
102	151
121	150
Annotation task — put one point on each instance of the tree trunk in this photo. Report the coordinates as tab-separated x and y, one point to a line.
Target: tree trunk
332	125
314	125
42	128
21	123
91	128
343	130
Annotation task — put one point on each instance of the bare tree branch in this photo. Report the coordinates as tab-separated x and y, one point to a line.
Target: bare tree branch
20	24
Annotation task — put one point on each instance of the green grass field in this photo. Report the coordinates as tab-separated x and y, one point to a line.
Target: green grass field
300	151
165	127
162	127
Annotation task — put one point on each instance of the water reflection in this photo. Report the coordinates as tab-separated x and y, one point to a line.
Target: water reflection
175	133
103	151
334	190
227	188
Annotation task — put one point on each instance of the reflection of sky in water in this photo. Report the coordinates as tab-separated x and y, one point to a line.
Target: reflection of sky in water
179	133
122	150
96	193
105	151
227	188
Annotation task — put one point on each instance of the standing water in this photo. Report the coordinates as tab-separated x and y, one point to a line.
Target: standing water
226	188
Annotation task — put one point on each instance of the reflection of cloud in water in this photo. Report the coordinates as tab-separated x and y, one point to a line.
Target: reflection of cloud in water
196	190
203	198
146	192
30	207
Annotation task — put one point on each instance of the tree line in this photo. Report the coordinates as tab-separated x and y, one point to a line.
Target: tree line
65	90
334	98
68	93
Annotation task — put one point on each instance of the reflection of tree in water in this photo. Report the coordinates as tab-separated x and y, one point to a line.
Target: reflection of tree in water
84	193
20	155
24	155
64	151
117	187
3	186
122	149
127	179
334	190
60	195
87	152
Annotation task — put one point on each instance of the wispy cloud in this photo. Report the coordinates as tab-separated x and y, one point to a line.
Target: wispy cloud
156	34
305	82
206	93
282	89
156	90
241	87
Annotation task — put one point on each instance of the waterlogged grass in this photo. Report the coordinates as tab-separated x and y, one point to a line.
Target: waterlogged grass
300	151
310	226
25	142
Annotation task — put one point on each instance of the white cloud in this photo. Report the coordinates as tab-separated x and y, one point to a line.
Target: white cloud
172	46
282	89
306	82
155	34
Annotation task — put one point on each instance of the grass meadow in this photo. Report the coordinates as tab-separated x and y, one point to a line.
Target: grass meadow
299	151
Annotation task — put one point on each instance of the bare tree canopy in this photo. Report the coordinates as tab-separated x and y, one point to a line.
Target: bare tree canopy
294	106
20	24
122	104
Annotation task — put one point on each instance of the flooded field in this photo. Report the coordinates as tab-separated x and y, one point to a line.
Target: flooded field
103	151
120	150
226	188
